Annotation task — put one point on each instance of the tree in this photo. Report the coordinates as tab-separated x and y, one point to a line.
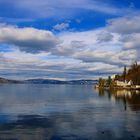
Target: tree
101	82
109	81
124	73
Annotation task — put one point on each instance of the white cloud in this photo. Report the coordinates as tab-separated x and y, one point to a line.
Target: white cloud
28	39
125	25
70	55
105	37
61	26
129	30
131	41
32	65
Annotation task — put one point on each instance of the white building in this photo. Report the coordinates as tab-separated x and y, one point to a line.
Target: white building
113	77
123	84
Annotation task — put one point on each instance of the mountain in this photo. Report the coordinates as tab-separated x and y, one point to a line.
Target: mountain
82	82
4	81
72	82
49	81
43	81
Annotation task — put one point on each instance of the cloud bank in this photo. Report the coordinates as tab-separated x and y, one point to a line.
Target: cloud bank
28	39
69	54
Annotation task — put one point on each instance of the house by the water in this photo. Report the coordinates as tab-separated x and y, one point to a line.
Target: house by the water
123	83
118	84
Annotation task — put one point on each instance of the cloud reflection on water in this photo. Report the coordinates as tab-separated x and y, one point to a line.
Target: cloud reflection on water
65	112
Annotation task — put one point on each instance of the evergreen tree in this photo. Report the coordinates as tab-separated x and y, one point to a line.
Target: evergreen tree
124	73
109	81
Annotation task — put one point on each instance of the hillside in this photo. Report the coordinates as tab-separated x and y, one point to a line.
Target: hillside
6	81
49	81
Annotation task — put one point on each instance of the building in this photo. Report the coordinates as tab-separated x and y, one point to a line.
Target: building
113	77
124	83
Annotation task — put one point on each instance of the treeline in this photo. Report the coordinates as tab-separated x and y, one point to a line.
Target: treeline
129	74
103	83
132	73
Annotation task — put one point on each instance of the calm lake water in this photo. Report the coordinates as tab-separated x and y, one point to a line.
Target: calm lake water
68	112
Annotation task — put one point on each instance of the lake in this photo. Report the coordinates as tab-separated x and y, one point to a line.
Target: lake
68	112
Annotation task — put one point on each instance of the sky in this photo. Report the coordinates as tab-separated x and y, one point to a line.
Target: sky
66	40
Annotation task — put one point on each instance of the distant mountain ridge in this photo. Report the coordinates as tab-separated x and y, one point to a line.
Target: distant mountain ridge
4	81
49	81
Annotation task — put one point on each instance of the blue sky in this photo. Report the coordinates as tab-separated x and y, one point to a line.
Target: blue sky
77	39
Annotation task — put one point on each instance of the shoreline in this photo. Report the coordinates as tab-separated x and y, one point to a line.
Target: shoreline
119	88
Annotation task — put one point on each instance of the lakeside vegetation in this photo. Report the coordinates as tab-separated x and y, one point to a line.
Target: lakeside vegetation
130	78
133	74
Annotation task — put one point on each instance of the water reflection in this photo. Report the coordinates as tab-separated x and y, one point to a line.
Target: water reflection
130	98
67	112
